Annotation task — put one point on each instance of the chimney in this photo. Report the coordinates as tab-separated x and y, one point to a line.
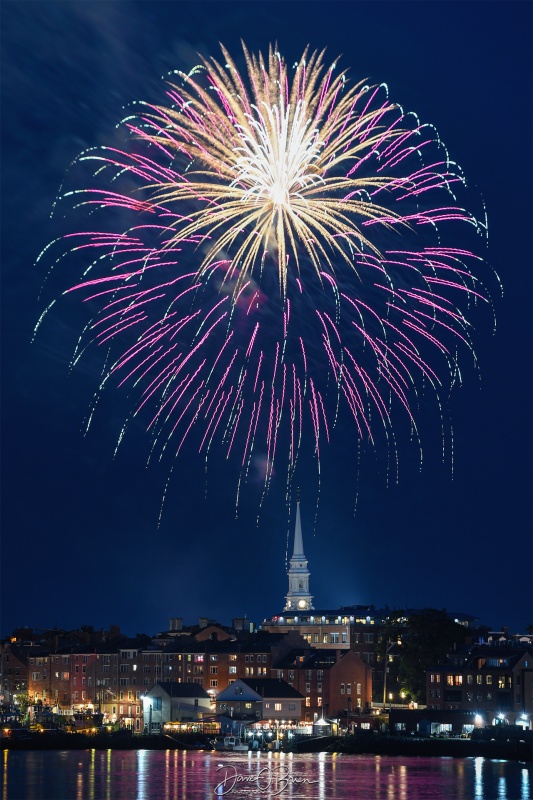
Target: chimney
176	623
202	622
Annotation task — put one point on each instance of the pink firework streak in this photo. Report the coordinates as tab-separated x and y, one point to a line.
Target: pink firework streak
291	253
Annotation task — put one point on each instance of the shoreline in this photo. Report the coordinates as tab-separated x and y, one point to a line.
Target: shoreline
351	745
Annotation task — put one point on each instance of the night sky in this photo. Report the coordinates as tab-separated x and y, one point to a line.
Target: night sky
80	537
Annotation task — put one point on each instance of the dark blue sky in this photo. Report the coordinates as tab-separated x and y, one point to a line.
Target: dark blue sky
80	542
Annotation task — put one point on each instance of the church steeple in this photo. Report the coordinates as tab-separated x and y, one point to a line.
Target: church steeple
298	597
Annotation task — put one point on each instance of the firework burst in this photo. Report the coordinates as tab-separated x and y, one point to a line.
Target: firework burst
289	248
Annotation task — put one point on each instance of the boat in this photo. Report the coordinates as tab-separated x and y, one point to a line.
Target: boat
230	744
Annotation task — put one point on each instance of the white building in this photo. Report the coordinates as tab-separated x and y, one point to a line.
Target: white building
170	701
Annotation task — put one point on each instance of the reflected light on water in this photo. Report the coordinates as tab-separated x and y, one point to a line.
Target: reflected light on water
525	785
4	776
478	769
191	775
321	776
142	776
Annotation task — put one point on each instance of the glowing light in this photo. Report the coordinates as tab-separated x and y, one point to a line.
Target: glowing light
290	249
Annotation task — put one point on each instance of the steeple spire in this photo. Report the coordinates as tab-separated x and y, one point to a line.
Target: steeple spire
298	597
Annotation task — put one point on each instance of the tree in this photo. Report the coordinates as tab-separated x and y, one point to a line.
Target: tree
428	636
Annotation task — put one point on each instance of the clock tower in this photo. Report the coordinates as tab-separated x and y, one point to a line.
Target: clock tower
298	597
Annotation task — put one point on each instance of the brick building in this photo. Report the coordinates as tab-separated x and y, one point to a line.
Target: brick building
495	681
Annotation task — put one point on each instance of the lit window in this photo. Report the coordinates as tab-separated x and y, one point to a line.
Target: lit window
277	706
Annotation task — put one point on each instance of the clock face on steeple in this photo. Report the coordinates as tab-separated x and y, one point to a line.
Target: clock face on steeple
302	604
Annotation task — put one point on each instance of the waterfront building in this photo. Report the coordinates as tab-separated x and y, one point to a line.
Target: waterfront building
335	683
269	700
493	680
170	701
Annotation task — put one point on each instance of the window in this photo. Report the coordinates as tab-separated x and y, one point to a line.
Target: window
368	638
319	702
277	706
358	688
213	670
488	680
292	706
348	688
124	681
334	638
308	702
214	658
344	638
233	657
479	679
325	638
470	679
233	670
213	683
36	676
319	687
342	688
157	703
308	687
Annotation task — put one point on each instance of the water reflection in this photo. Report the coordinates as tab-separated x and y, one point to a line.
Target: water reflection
525	785
174	775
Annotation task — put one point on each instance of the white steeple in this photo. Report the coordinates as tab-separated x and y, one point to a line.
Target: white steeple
298	597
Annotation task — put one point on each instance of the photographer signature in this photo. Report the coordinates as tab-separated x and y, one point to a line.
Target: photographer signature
267	779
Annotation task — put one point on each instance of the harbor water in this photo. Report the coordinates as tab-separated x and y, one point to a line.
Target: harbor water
199	775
